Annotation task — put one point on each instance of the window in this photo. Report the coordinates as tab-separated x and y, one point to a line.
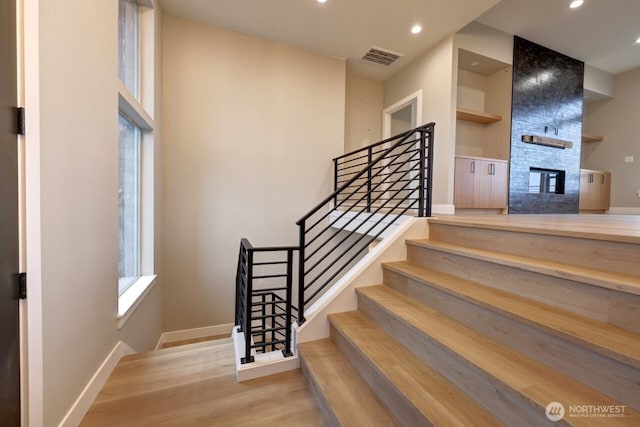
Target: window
128	203
129	45
136	169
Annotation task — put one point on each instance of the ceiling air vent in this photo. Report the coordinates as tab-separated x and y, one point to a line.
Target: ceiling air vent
381	56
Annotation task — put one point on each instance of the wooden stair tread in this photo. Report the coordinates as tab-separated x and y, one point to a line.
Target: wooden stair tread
603	279
537	383
350	397
608	340
623	228
434	396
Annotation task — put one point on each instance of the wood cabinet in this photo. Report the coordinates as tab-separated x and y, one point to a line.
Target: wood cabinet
480	183
595	190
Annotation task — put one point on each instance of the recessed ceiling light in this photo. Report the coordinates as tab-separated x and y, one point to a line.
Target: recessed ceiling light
576	3
638	41
416	29
321	1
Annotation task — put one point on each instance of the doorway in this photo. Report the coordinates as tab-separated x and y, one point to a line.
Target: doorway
397	118
9	258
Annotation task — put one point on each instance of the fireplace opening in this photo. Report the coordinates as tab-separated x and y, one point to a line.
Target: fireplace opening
546	181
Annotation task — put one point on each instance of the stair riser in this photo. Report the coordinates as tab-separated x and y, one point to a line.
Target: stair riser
611	377
606	305
325	407
504	402
404	411
607	256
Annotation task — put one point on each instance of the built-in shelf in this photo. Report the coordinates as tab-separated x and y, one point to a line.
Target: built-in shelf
591	138
476	116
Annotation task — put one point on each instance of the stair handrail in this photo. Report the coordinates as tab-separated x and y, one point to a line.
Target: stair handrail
378	168
424	209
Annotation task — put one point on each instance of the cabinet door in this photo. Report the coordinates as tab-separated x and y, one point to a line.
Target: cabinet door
584	190
498	181
463	186
603	182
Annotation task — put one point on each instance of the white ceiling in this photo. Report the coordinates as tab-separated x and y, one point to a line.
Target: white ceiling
340	28
601	32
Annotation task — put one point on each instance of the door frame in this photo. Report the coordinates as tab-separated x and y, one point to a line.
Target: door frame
399	105
415	97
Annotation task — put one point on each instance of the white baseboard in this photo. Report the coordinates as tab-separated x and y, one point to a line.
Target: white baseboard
82	404
623	211
189	334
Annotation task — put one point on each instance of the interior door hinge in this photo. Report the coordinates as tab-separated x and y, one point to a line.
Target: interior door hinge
22	285
20	121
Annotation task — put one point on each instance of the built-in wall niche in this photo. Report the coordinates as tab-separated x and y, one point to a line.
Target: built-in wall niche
483	106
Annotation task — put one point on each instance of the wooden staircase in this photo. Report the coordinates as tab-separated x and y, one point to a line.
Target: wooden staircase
484	326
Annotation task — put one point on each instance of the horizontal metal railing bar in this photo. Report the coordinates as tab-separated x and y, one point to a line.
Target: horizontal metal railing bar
353	166
274	248
352	245
378	184
268	330
344	187
270	276
402	135
267	290
267	316
344	160
402	138
307	271
267	344
269	263
315	293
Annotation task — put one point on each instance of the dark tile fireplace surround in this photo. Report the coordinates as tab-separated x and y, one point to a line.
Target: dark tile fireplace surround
546	129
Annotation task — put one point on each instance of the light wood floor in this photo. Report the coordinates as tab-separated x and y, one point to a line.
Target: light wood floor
195	385
193	341
621	228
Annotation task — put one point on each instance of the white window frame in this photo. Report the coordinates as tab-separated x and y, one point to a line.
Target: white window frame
139	111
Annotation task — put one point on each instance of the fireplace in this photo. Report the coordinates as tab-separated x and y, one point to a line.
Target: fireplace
546	131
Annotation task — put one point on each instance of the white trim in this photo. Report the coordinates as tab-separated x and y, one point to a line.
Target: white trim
443	209
407	100
33	220
623	211
264	364
133	297
82	404
130	107
188	334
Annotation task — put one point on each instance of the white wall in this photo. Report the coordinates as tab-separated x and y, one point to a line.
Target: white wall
433	73
616	120
363	112
72	203
250	129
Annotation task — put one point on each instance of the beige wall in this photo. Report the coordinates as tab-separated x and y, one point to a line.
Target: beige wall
250	129
72	203
484	93
363	112
616	120
433	73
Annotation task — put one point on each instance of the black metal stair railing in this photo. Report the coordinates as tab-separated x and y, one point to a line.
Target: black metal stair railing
373	188
264	285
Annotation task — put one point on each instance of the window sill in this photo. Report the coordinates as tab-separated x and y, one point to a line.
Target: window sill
133	297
